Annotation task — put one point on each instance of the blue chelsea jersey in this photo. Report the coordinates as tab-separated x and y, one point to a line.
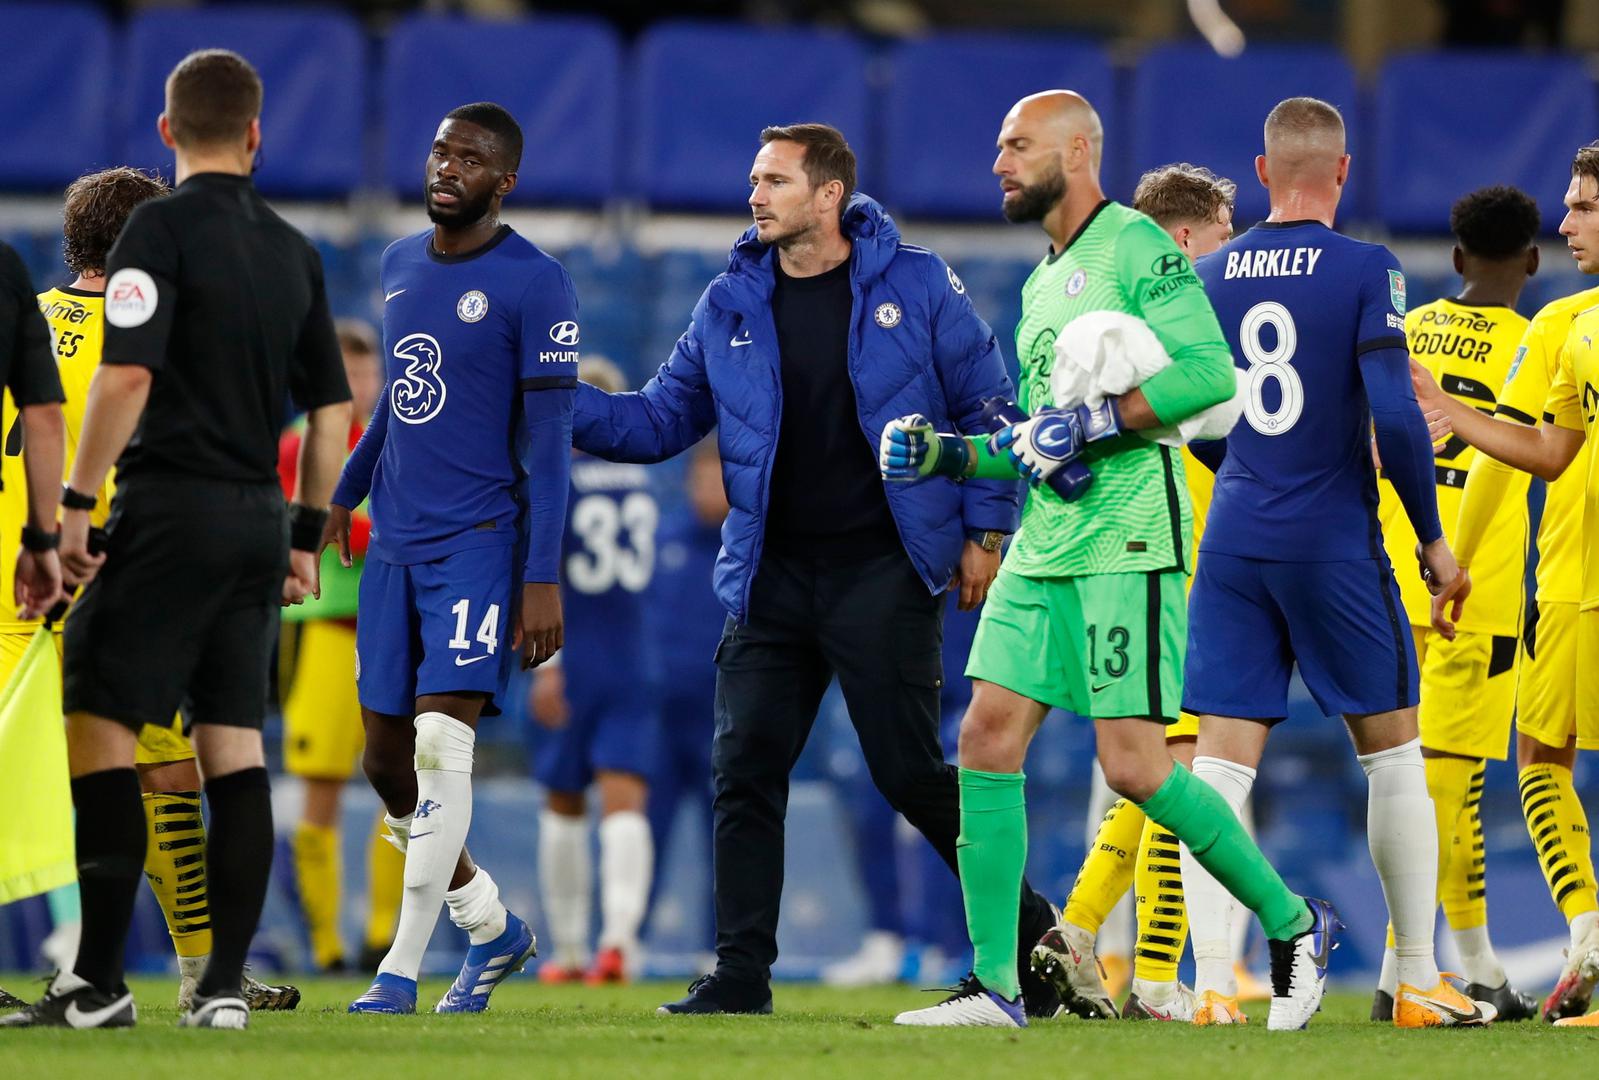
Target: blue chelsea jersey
607	563
463	336
1299	304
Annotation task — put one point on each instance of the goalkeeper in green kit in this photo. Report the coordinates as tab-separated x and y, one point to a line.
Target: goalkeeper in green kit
1088	613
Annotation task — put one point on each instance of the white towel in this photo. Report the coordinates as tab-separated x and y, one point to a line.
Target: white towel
1107	353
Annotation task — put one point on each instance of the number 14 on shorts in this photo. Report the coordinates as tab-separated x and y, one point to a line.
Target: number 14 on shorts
488	631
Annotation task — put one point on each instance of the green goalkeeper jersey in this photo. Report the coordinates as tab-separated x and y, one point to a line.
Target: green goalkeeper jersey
1136	516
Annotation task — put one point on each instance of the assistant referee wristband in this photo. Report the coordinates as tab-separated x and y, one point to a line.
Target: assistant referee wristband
306	525
37	540
77	500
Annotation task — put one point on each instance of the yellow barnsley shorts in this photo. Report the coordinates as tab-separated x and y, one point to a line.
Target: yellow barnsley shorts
1588	680
322	733
1546	698
157	745
1468	693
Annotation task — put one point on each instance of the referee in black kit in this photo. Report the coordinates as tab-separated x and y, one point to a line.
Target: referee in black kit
215	316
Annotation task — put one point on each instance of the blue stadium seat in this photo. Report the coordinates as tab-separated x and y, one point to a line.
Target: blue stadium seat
1451	122
313	66
945	100
1189	104
56	77
561	78
705	90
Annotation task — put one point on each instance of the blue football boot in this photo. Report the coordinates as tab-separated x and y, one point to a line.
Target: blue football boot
389	994
488	965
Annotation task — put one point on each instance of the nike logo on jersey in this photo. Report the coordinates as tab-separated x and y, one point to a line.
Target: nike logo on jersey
91	1018
1101	686
462	661
390	296
742	339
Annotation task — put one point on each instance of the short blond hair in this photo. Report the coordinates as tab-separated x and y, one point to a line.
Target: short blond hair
599	372
1181	194
1303	118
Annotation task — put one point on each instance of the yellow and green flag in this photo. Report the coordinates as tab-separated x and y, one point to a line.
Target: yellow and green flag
36	851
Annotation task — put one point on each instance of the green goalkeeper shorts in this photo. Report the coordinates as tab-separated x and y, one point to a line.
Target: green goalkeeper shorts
1100	645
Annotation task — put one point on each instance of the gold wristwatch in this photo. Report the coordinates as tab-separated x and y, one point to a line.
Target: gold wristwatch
992	540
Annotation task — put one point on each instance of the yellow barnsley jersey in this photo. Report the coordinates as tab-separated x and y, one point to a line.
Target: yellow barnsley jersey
1523	399
76	329
1574	403
1469	350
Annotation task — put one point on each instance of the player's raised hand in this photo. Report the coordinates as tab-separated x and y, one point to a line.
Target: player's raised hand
337	531
540	630
910	449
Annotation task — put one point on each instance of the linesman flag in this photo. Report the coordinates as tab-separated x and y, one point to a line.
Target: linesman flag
36	852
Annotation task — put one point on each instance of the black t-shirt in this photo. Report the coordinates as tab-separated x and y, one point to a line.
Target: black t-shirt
827	494
223	300
27	363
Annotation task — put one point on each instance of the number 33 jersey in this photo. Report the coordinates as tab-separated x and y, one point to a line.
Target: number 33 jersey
463	337
607	561
1299	304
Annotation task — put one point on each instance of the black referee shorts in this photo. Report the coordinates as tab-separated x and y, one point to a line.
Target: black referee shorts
185	609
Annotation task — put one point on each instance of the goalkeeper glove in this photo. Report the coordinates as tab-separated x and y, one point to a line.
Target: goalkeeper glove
1053	438
910	449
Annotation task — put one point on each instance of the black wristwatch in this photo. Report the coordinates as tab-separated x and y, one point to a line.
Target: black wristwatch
77	500
37	540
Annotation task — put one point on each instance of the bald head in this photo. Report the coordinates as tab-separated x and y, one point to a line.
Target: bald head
1304	142
1057	118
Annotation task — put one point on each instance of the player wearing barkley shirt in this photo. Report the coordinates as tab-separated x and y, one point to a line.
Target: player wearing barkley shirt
1548	450
1291	568
1468	684
466	460
598	702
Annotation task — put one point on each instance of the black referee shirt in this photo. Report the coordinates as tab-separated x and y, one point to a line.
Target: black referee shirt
223	300
27	363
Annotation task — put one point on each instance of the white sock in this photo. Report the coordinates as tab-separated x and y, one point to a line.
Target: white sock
1210	907
1237	918
1478	961
1403	838
475	907
438	833
1581	925
399	830
1388	977
1117	931
566	877
627	857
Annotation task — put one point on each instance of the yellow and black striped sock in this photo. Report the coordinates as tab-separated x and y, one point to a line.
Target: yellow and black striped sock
174	865
1559	831
1463	888
1162	914
1107	870
385	885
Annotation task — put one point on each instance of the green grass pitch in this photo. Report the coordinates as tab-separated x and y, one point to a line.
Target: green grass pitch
541	1032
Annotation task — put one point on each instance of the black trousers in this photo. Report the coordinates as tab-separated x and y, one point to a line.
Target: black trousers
872	623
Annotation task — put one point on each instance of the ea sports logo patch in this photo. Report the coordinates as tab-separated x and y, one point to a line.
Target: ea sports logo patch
472	306
888	315
1077	282
130	298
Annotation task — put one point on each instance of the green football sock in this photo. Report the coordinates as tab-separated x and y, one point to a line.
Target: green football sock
1199	817
992	853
